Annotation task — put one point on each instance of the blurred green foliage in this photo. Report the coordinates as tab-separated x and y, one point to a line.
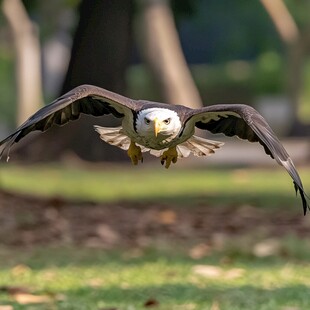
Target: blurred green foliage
235	81
240	81
300	10
221	31
244	57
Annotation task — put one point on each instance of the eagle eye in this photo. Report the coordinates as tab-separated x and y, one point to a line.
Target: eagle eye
146	121
167	121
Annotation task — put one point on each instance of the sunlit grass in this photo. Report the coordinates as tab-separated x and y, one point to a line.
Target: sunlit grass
95	279
180	185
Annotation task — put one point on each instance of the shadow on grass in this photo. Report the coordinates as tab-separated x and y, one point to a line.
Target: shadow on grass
237	198
185	219
172	295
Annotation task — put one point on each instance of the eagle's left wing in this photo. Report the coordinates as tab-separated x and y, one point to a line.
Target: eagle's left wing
246	123
84	99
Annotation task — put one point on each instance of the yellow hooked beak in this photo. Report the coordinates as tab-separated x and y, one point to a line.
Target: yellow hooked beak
157	126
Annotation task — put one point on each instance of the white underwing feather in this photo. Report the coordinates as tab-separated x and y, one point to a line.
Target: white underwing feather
113	136
195	145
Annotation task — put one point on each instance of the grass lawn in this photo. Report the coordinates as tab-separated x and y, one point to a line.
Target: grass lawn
262	187
96	279
168	275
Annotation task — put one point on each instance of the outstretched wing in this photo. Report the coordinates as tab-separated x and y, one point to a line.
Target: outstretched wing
246	123
85	99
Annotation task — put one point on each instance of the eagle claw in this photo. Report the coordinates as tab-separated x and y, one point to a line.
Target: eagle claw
135	154
169	156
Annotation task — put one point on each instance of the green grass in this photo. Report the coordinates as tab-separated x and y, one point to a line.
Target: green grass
272	187
96	279
124	279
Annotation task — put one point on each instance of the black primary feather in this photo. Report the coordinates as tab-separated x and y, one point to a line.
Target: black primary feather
85	99
246	123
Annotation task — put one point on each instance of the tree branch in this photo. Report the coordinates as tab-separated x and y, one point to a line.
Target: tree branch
283	20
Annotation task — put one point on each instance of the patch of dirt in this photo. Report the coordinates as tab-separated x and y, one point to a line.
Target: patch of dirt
26	221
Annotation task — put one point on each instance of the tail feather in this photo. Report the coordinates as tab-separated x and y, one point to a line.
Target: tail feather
199	146
195	145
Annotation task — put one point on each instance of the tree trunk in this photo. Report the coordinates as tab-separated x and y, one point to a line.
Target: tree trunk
296	46
159	44
100	55
283	20
28	59
101	45
297	54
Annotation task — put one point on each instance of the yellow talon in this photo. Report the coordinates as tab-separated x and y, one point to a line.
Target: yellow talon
169	156
135	154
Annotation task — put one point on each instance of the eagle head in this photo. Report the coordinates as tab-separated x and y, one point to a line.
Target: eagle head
158	123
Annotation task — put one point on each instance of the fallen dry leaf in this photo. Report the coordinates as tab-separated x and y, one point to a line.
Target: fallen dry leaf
95	282
167	217
234	273
215	305
208	271
268	247
152	302
25	299
6	307
107	234
199	251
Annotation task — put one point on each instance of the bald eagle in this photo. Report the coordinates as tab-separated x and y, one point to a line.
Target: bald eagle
166	131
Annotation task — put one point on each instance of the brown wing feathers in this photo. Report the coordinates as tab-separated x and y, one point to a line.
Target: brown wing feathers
232	120
85	99
246	123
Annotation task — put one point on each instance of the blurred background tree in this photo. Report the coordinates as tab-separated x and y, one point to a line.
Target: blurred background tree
160	46
233	50
28	59
100	54
295	36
